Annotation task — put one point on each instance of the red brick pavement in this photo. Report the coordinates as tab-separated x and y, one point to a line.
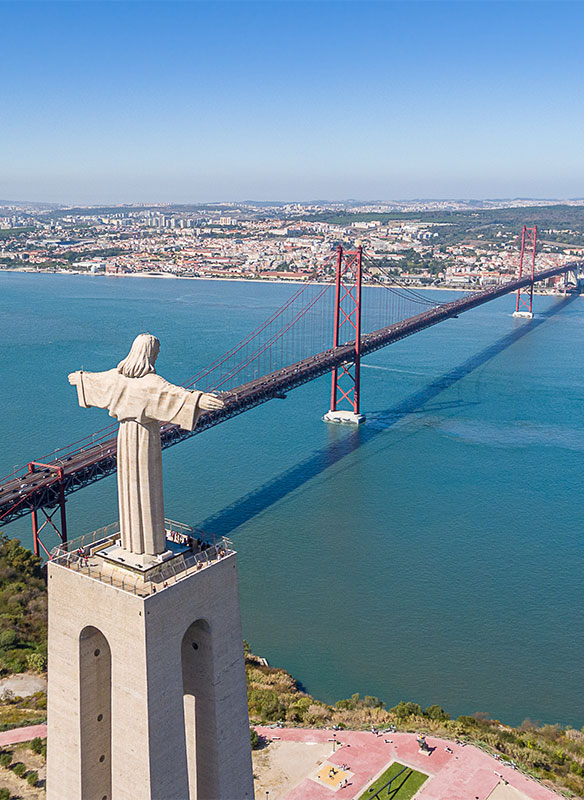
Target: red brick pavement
465	774
17	735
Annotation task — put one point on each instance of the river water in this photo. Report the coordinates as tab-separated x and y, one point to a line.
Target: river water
434	554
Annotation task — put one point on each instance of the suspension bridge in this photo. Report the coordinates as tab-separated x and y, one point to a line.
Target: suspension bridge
367	309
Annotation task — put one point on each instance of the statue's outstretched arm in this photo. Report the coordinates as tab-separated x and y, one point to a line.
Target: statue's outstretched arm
74	378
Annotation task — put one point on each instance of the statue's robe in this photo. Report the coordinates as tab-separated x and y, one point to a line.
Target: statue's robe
140	405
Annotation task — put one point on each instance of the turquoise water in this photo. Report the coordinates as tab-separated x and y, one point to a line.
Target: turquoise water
435	554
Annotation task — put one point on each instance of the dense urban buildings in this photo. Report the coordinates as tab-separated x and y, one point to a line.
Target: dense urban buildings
429	243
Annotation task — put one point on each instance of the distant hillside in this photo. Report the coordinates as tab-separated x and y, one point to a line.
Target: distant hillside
465	225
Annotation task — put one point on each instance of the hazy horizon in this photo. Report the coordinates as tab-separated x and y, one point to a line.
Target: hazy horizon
192	102
292	201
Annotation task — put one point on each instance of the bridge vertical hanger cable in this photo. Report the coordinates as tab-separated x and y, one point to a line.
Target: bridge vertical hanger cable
75	468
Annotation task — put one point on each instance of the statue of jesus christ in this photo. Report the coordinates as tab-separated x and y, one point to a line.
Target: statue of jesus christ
140	399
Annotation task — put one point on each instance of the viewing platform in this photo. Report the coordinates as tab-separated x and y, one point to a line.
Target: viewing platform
99	555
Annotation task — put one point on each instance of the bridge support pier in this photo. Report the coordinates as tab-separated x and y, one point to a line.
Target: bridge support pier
344	417
346	378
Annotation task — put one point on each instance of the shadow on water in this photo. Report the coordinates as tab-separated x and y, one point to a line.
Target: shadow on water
248	506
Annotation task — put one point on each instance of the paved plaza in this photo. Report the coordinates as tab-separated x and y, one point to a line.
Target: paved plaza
466	773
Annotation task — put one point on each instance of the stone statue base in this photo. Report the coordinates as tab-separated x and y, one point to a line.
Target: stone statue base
147	696
143	562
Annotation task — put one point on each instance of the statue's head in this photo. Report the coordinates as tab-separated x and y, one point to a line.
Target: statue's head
141	358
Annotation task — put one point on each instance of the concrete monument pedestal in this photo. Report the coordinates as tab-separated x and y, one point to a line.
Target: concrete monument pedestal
143	562
147	696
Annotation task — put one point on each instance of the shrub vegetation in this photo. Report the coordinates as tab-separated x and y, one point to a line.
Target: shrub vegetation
32	777
256	739
551	753
19	769
23	609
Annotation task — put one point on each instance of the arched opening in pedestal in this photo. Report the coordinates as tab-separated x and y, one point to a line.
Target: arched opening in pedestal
95	701
199	712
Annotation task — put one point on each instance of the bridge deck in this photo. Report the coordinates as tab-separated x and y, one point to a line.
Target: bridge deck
41	489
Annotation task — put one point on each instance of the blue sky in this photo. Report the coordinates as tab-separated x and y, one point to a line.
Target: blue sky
195	101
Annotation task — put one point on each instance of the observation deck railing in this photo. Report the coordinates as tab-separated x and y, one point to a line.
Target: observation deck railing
82	555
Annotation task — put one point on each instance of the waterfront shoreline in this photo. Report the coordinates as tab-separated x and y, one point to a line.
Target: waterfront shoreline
233	279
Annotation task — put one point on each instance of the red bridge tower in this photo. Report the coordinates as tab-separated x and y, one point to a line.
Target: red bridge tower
58	473
345	388
524	304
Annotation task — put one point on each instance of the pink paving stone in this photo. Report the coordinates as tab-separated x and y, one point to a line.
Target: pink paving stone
463	775
17	735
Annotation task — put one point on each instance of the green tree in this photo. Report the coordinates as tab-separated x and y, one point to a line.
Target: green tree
5	759
437	713
32	777
19	558
23	608
403	710
36	662
266	705
19	769
350	703
36	745
467	721
8	638
370	701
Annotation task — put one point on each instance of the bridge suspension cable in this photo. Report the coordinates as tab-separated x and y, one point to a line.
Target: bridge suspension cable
298	327
290	332
203	373
403	290
48	482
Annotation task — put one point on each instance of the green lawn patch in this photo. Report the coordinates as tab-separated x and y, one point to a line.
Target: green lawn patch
404	787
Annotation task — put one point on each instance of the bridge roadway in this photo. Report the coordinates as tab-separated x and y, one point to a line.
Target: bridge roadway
41	489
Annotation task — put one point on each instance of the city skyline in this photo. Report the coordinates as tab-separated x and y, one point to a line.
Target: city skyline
207	102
